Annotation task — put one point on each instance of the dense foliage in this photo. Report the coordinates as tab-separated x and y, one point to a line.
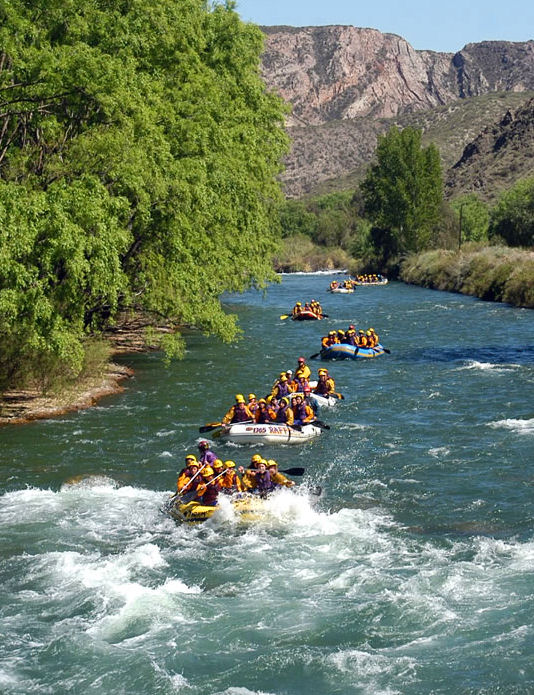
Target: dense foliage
473	217
138	160
403	192
512	218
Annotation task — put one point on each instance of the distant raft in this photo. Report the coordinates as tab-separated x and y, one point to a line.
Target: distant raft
246	508
306	315
384	281
342	351
341	290
253	433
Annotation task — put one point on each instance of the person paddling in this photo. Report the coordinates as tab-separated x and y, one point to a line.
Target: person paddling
206	455
238	412
302	413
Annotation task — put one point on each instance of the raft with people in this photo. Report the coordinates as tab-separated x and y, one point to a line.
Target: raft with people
306	315
369	280
350	344
209	484
268	433
245	507
343	351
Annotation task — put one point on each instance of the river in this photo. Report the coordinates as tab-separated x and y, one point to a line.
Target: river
411	573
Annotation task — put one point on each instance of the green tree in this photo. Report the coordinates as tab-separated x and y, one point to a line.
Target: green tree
512	218
139	154
473	215
402	192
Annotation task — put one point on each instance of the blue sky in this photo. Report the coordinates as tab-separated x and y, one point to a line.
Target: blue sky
426	24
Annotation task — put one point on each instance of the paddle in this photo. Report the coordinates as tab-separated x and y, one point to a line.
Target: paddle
209	427
321	424
312	357
388	352
293	471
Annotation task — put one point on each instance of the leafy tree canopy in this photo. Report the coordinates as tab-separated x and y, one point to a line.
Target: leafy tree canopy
402	192
139	152
512	218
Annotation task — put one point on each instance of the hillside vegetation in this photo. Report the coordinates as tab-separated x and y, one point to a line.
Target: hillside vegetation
334	157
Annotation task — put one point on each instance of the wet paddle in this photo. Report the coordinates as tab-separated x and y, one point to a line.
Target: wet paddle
321	424
209	427
312	357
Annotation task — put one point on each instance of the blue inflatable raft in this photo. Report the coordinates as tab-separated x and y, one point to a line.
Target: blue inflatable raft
341	351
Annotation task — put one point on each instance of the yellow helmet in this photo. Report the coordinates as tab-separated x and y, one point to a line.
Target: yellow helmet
256	458
239	398
299	303
368	333
191	457
372	330
251	395
206	471
272	462
218	463
229	464
269	399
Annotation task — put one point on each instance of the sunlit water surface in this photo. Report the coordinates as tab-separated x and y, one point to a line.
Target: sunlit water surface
411	573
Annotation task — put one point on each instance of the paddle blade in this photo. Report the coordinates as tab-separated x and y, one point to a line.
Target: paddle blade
388	352
312	357
293	471
211	426
284	317
321	424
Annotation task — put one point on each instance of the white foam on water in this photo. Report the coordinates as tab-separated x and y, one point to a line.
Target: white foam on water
439	451
515	425
486	367
243	691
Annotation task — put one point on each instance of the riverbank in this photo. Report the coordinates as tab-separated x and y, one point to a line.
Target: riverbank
24	405
492	273
130	335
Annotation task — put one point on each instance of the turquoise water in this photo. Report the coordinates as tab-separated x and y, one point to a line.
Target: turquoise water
412	573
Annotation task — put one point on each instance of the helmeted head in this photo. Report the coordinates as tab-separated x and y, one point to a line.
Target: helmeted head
252	396
206	471
229	464
307	389
218	465
368	333
299	303
255	459
283	378
301	360
203	445
284	401
262	465
239	398
191	459
351	327
271	463
289	372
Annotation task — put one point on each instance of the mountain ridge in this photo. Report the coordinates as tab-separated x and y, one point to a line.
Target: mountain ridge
348	84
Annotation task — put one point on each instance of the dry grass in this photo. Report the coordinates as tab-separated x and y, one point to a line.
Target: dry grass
495	273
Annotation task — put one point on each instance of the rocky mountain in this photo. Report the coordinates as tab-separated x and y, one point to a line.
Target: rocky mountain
503	151
347	84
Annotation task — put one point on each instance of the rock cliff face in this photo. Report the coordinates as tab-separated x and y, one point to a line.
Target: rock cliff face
503	151
339	72
346	74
